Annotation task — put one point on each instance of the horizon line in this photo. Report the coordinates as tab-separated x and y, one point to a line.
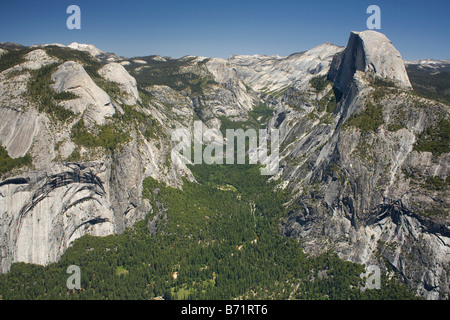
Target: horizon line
193	55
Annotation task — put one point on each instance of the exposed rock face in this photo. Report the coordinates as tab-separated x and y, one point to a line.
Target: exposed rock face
182	105
93	101
272	73
42	212
91	49
354	193
19	123
37	59
361	192
240	98
94	51
368	51
116	73
17	130
354	197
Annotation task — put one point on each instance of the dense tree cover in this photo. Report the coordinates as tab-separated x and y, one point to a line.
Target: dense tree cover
435	139
430	84
7	163
90	64
13	57
170	73
369	119
108	136
437	183
320	82
215	239
145	123
261	113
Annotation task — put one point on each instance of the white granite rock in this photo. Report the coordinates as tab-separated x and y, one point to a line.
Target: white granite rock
369	51
273	73
93	101
115	72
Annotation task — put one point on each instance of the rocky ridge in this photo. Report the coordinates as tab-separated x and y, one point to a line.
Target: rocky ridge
350	130
368	51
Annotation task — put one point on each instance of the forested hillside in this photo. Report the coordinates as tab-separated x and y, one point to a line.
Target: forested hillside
217	239
88	177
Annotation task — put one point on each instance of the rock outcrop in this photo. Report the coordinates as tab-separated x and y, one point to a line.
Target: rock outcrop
47	206
349	160
43	212
275	73
36	59
368	51
116	73
360	190
89	48
17	130
92	101
226	76
19	123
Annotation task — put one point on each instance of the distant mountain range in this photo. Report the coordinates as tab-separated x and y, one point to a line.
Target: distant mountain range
364	155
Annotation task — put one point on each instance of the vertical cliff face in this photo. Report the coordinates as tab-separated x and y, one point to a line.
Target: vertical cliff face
366	162
360	180
80	181
368	51
43	212
88	165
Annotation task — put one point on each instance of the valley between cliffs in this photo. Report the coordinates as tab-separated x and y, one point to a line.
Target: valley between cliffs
364	158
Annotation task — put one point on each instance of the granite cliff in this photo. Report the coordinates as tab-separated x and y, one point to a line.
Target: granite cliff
364	158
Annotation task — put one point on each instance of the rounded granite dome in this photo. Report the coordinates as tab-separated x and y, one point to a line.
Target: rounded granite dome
369	51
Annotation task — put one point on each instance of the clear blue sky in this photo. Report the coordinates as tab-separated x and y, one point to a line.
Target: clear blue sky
418	29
